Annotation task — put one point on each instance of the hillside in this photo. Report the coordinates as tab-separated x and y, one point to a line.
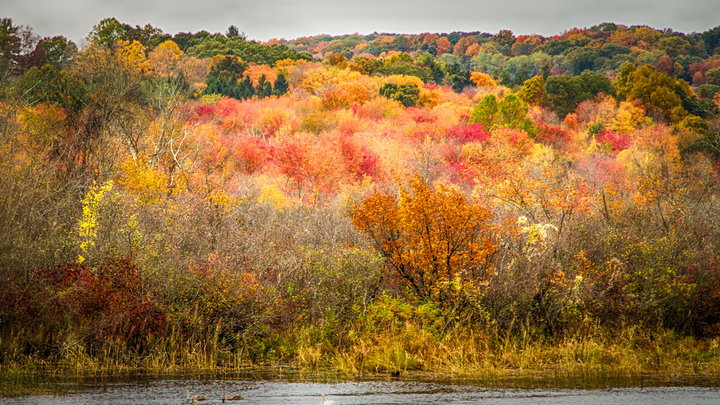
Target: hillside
459	203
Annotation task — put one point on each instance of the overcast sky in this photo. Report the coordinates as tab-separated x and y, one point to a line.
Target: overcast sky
265	19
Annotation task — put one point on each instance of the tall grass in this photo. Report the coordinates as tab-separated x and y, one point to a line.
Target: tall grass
406	347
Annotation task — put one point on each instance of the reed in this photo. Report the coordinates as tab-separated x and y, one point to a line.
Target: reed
461	353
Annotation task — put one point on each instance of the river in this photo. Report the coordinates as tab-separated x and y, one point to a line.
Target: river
266	390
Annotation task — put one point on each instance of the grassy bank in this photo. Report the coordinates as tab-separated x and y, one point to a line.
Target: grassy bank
408	348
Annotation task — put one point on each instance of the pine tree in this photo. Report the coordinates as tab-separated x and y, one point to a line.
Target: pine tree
264	87
281	85
247	90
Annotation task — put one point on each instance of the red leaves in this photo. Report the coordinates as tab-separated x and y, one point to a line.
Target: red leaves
359	159
421	115
202	112
292	158
220	110
250	153
469	133
323	164
599	171
551	135
616	142
108	300
370	164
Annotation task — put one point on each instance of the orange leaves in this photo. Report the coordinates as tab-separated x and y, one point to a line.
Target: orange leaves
345	94
442	46
497	155
429	236
482	80
256	71
333	132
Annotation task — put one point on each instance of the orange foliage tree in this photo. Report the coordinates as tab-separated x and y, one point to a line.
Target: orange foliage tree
429	236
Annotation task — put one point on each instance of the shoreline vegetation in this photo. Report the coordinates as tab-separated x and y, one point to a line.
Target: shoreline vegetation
460	205
466	357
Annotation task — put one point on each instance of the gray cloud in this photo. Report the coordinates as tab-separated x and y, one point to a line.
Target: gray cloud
264	19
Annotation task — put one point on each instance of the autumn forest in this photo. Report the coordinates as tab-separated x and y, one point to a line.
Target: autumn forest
459	203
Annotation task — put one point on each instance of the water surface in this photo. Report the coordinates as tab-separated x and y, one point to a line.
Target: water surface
144	390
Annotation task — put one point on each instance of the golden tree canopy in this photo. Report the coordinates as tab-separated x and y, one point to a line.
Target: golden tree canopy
429	235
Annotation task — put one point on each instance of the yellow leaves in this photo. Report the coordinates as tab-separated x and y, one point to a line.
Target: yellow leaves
132	229
320	79
347	93
87	227
286	63
429	98
379	108
132	55
543	187
127	58
92	58
222	200
169	48
472	151
272	195
585	265
629	117
147	183
210	99
538	234
634	160
277	122
195	71
542	155
338	87
164	60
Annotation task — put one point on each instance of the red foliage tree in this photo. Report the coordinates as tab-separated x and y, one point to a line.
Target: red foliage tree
616	142
469	133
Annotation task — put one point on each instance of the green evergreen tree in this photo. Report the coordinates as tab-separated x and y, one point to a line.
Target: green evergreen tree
246	90
264	87
281	85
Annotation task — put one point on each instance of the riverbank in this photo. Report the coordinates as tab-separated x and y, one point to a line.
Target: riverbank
403	351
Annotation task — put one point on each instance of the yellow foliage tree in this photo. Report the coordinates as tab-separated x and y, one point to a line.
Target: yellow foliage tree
146	182
132	55
88	225
629	117
164	60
